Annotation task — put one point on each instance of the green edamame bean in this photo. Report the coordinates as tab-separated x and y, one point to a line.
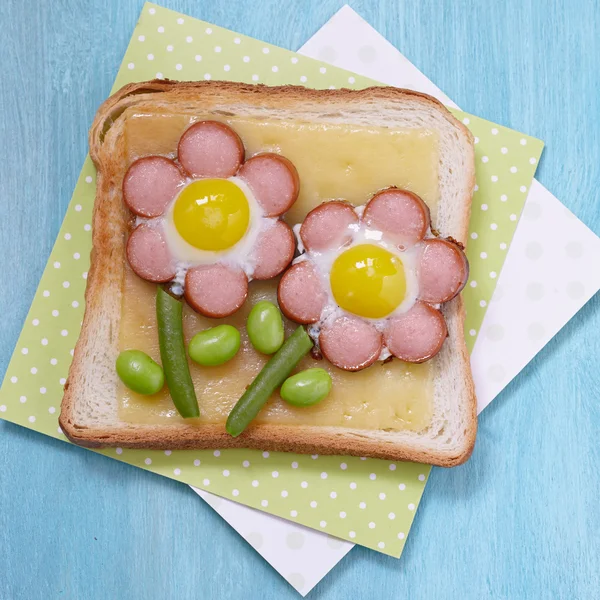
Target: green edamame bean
307	387
139	372
214	346
265	327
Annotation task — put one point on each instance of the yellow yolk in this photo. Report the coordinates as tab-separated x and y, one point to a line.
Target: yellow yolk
211	214
368	281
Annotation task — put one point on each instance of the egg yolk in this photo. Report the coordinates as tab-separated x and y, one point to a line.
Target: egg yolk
212	214
368	281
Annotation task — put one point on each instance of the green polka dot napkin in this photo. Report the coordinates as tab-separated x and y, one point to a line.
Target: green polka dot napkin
369	502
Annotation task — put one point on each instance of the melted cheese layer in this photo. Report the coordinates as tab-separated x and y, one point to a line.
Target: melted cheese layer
333	161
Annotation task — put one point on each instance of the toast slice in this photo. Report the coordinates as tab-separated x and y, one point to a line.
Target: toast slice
90	413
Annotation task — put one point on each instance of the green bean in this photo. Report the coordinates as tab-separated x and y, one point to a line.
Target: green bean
139	372
265	327
307	387
272	375
172	353
214	346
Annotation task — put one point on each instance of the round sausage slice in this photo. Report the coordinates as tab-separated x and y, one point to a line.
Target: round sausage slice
350	343
216	290
149	256
274	250
300	294
327	226
443	271
274	181
210	149
400	214
417	335
150	184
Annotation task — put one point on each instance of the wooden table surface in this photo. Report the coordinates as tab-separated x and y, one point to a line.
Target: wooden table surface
520	520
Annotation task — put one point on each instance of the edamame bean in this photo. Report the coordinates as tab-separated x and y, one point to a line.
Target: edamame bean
214	346
139	372
272	375
307	387
265	327
169	316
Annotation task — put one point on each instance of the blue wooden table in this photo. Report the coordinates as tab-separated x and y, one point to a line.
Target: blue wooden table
75	525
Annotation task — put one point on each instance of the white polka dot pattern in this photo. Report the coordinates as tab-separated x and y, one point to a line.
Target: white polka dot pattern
350	498
550	272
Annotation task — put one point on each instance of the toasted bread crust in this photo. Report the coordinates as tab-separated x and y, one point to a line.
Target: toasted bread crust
110	226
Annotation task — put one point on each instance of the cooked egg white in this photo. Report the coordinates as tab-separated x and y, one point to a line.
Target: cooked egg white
239	254
361	234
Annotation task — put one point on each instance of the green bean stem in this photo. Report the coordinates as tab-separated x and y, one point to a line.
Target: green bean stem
169	313
272	375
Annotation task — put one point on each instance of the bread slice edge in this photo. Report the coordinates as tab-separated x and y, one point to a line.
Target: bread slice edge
103	292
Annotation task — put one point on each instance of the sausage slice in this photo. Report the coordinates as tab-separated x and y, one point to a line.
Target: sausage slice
350	343
210	149
274	250
400	214
274	181
417	335
216	290
326	227
149	256
443	271
300	294
150	184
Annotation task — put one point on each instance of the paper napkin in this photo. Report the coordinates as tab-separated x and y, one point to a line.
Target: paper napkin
301	555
